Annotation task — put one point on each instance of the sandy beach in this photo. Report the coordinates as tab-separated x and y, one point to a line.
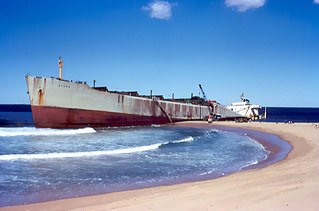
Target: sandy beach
291	184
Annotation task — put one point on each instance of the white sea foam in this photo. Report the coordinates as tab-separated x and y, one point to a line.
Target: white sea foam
253	162
89	154
77	154
205	173
188	139
154	125
31	131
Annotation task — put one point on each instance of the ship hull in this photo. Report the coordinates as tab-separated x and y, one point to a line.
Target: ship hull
59	103
79	118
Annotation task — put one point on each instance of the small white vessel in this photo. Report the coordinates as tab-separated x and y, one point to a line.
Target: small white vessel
245	108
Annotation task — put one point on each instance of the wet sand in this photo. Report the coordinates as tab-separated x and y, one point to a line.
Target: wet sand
291	184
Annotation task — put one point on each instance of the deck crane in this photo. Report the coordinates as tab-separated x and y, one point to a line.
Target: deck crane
208	105
201	89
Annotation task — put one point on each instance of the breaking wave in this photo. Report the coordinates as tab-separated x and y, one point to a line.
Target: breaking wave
54	155
188	139
77	154
31	131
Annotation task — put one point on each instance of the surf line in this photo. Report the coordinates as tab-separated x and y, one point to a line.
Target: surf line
76	154
25	131
12	157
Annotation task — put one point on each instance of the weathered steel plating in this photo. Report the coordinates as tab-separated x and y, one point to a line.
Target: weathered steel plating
59	103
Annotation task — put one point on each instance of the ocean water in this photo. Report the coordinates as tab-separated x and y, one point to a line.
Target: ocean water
47	164
286	114
15	115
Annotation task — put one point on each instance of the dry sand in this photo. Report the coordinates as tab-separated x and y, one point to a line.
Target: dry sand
291	184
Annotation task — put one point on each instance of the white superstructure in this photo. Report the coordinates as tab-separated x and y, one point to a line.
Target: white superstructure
245	108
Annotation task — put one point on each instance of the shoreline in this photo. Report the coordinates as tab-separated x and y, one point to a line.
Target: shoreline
290	183
277	147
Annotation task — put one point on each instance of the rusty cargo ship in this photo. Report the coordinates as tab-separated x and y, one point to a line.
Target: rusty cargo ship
59	103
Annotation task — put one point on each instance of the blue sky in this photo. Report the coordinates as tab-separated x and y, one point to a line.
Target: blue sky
268	49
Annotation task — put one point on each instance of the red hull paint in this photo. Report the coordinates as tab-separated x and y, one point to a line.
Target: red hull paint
54	117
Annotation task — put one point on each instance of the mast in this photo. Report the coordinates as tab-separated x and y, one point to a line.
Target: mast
265	114
60	67
242	97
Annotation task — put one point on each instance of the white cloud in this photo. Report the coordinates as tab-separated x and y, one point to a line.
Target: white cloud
159	9
316	1
244	5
